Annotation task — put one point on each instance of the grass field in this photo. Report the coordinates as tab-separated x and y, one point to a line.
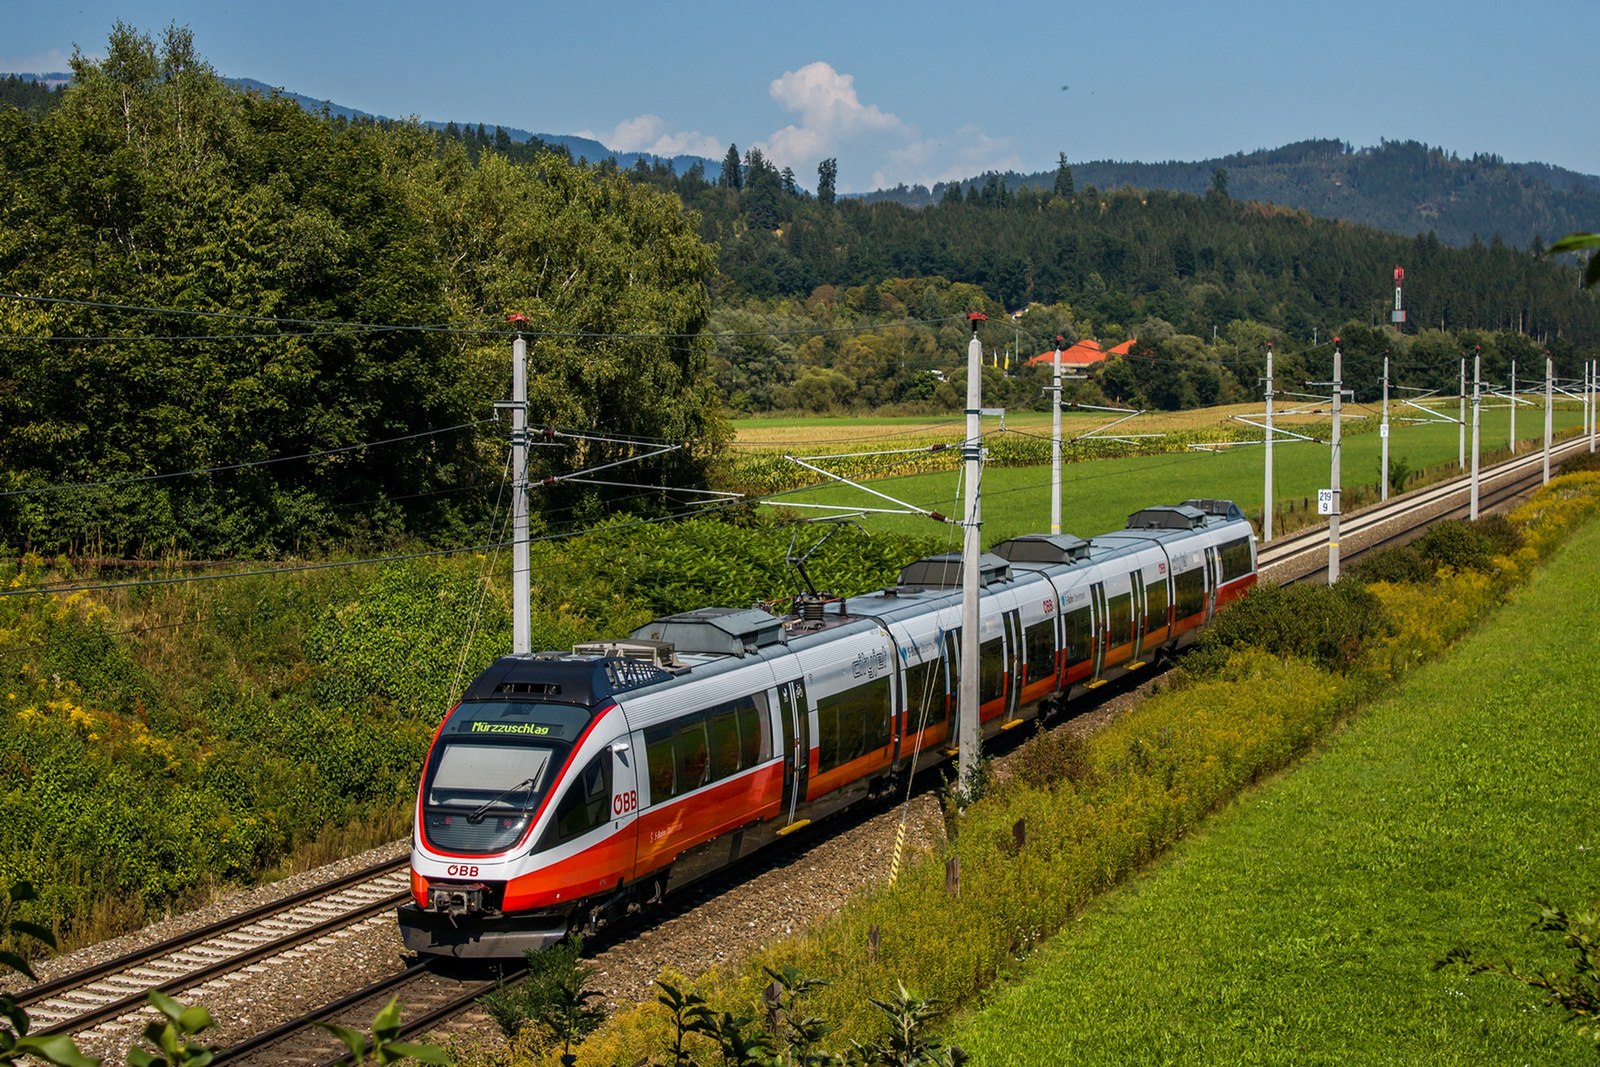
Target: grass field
805	432
1301	925
1099	495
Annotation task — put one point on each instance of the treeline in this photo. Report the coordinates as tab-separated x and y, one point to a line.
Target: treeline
822	356
33	98
153	184
1116	258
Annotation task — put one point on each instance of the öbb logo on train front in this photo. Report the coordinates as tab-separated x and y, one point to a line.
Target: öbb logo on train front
461	870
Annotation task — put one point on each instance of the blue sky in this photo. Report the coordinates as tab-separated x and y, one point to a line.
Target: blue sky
910	92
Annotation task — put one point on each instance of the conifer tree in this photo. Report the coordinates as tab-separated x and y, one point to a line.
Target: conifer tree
732	175
1063	176
827	175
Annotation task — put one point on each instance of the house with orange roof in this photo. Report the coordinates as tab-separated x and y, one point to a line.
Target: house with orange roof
1081	355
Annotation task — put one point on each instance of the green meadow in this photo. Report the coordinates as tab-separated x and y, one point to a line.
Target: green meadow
1099	495
1300	926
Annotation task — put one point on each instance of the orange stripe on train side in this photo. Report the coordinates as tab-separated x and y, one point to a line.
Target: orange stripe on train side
860	767
668	829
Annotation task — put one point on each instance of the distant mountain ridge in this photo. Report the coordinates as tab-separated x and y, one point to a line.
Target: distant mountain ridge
580	147
1401	186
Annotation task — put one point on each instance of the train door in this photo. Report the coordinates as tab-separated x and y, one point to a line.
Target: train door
952	666
625	801
1212	574
796	744
1014	658
1101	629
1136	578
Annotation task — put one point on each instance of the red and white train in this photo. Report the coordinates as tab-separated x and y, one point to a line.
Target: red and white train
570	786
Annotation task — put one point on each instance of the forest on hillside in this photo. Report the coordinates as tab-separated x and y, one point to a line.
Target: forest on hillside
1403	186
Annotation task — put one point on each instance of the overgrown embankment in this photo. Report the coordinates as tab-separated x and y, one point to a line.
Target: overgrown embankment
159	743
1301	927
1266	685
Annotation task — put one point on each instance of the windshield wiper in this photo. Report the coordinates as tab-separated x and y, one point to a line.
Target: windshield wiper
477	815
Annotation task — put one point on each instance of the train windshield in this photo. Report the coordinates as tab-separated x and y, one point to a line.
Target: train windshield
490	771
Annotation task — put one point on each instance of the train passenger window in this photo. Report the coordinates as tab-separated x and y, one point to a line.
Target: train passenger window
1235	559
1155	594
991	670
1119	610
1080	635
661	761
1189	589
724	721
1041	639
693	754
750	747
925	697
587	802
853	723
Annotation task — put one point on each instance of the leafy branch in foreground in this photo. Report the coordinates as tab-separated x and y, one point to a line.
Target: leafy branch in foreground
1576	242
15	1042
384	1046
1578	992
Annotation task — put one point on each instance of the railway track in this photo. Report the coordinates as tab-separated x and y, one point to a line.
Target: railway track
79	1002
1396	520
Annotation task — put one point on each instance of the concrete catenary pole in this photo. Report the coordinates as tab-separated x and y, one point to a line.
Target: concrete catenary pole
1055	443
1477	369
521	618
1461	420
1267	501
971	551
1549	412
1383	432
1333	479
1513	407
1594	394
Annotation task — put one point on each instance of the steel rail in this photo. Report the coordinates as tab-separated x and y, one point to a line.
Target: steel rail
171	945
316	1015
189	979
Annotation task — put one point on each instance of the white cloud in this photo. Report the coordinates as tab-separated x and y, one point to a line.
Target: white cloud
43	63
965	154
830	113
650	133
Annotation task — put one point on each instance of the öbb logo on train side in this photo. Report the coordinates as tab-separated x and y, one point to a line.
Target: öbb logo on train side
622	803
461	870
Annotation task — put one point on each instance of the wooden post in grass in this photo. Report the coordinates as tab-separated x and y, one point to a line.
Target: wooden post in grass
952	876
1019	833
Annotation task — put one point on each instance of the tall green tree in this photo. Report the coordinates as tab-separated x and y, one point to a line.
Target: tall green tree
1064	185
732	175
827	176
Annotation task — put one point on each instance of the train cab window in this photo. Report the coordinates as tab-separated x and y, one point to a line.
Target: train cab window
1189	589
587	802
1235	559
926	704
991	670
1079	627
1041	641
1155	594
853	723
1119	610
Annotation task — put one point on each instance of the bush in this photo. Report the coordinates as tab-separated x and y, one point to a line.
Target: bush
1050	758
1456	543
1402	563
1325	625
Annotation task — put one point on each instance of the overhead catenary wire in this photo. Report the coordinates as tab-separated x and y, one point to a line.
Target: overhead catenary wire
136	479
